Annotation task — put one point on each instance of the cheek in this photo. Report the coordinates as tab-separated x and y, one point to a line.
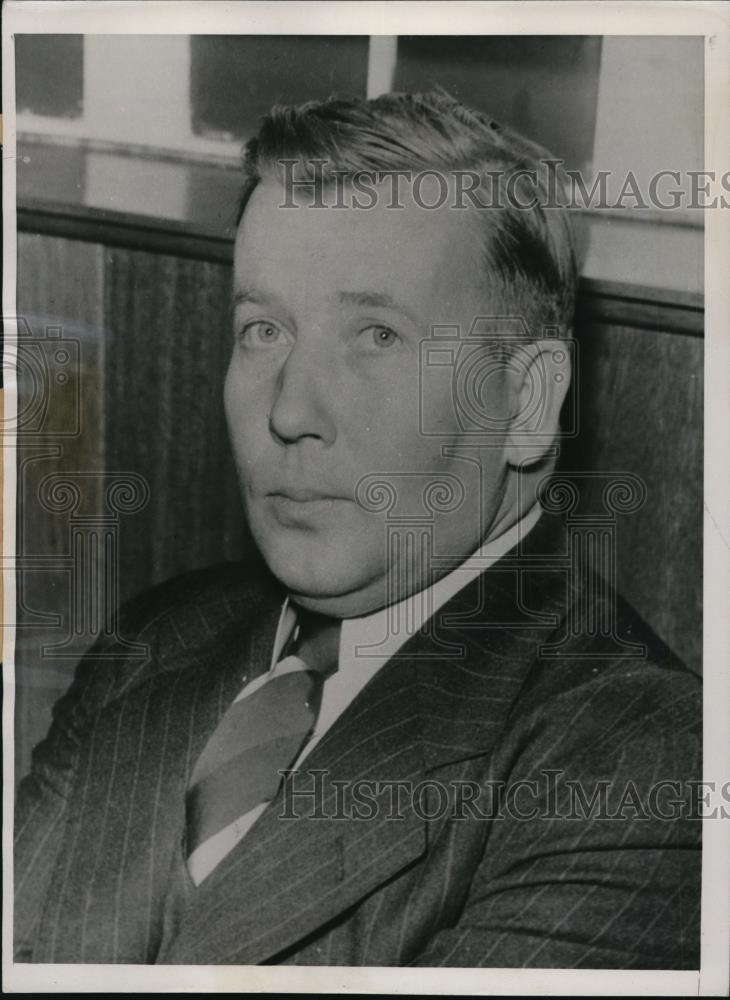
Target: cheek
246	430
235	390
383	416
233	408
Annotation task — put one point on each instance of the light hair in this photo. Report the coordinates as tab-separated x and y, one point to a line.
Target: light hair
529	254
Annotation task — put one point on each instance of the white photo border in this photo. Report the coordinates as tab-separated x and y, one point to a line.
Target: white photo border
709	19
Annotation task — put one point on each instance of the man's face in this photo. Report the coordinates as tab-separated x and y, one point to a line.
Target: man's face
330	309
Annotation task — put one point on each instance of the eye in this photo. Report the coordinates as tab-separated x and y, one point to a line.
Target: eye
381	337
260	333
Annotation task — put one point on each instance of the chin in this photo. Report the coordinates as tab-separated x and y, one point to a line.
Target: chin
325	575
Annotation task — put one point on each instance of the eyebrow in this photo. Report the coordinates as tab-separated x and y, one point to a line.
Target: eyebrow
249	295
368	299
378	300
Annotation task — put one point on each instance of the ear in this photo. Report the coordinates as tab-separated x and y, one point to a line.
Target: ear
539	376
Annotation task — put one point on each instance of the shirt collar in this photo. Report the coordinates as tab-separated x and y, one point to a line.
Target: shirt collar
390	627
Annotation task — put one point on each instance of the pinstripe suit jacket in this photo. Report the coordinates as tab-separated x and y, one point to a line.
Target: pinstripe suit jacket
512	685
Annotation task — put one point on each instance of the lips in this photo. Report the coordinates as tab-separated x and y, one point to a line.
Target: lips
302	494
303	507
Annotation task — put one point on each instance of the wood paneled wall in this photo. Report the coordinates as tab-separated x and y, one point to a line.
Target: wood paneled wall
167	352
640	411
154	350
60	361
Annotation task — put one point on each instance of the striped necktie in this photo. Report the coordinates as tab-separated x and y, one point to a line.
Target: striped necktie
262	733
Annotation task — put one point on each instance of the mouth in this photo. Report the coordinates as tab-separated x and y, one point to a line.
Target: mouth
298	505
303	495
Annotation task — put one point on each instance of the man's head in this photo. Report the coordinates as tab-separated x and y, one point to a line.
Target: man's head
333	303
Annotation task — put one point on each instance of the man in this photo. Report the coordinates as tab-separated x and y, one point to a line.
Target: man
480	769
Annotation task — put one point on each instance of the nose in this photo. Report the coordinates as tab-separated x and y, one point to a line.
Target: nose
302	401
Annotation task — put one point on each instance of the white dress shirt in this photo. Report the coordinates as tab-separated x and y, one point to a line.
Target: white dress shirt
366	644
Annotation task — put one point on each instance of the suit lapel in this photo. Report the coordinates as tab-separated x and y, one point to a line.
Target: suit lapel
316	851
301	865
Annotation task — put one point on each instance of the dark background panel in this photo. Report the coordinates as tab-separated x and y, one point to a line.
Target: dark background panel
544	86
49	74
235	80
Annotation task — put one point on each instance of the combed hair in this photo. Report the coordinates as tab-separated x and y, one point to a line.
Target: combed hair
529	254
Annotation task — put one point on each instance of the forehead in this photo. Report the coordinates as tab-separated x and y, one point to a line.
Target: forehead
424	252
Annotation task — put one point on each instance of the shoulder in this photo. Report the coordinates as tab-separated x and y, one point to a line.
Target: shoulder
606	695
199	600
163	629
154	636
601	681
600	650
